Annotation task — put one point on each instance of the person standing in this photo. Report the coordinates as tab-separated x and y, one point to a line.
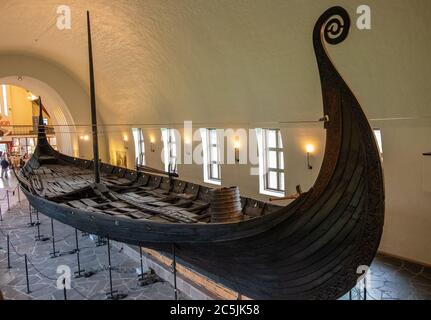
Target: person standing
4	167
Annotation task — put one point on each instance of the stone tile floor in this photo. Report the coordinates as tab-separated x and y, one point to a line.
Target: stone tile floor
43	269
389	278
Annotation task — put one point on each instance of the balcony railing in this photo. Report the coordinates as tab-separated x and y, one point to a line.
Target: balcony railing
25	130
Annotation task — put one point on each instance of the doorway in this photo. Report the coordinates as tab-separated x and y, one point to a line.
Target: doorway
3	148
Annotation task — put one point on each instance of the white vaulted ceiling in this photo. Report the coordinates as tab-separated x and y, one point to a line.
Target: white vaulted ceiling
161	61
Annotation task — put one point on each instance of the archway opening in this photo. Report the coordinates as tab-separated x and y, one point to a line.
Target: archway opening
19	113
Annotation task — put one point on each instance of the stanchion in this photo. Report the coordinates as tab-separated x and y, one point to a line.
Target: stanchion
174	265
26	274
112	295
142	264
1	214
8	201
78	273
365	288
64	289
8	252
350	295
54	253
19	196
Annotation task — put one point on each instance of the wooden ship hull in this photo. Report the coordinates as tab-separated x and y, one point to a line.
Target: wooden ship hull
310	249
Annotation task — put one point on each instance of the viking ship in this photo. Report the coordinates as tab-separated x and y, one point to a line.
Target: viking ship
309	249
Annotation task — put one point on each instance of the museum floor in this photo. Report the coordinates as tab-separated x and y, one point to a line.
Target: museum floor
43	269
390	278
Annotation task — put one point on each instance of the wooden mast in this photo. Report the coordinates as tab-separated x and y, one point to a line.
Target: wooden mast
93	105
41	124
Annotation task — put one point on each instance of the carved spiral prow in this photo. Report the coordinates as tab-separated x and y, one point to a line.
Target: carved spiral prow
332	27
334	24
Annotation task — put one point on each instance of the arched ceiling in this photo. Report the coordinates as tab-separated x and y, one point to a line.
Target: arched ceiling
226	61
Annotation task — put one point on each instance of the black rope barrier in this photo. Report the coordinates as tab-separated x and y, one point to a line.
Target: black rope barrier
29	263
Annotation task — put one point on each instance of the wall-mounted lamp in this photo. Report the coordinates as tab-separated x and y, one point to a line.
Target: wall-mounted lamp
310	149
126	140
152	140
237	145
84	138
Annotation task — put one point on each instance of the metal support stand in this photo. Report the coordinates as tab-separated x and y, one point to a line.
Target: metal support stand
100	241
8	252
31	223
37	218
78	273
174	265
1	215
26	274
112	295
350	295
54	253
19	196
39	236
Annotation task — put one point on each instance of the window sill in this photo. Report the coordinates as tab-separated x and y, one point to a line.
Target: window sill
272	193
215	182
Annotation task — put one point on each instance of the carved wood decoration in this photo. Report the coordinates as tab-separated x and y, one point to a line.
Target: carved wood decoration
310	249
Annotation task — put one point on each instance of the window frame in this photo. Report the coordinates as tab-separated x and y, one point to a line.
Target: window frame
264	166
379	140
4	109
138	137
170	144
208	144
